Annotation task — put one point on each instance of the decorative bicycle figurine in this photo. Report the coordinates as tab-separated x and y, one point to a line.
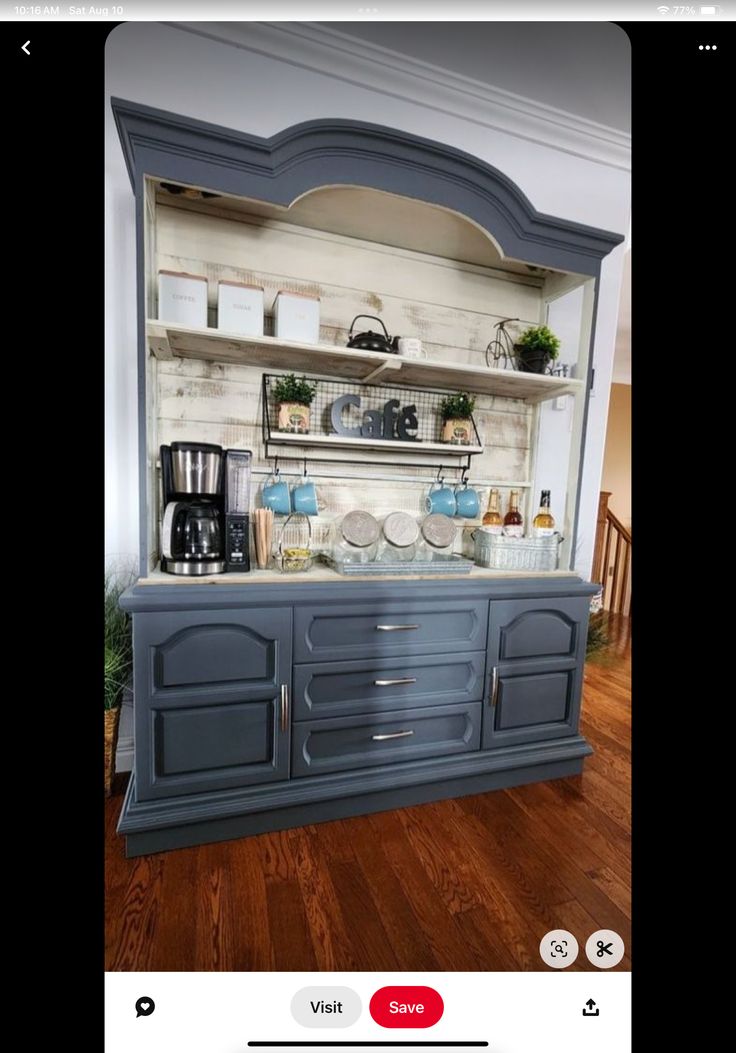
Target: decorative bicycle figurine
500	353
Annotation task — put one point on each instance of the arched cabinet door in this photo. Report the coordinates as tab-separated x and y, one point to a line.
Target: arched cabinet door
536	650
210	695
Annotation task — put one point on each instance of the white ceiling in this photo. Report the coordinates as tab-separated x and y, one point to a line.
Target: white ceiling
583	68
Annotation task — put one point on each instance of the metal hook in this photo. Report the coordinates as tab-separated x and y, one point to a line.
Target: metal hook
439	475
276	467
305	466
464	477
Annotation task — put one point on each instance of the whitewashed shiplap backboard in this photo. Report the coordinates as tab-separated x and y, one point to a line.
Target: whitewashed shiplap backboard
451	306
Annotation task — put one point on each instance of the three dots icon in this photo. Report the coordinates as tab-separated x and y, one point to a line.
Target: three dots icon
707	47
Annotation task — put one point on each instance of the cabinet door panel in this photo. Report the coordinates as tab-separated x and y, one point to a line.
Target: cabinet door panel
202	748
536	650
532	708
206	654
208	699
527	700
194	740
524	630
220	655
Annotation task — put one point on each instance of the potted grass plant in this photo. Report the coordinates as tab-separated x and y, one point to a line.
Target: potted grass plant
536	348
294	396
457	424
118	666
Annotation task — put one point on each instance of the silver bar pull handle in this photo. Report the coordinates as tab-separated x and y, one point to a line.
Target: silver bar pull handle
392	735
284	707
399	680
394	628
494	685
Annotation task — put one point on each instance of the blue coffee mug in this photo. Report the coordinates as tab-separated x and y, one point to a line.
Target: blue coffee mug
467	502
440	500
304	498
276	496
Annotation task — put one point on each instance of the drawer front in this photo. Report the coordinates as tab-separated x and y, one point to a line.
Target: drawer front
533	630
333	689
216	655
351	743
532	708
346	631
214	747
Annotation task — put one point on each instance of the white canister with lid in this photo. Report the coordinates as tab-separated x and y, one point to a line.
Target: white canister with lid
240	308
182	298
296	317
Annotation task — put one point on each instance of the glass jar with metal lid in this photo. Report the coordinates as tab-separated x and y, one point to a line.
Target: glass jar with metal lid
438	534
355	538
400	538
295	544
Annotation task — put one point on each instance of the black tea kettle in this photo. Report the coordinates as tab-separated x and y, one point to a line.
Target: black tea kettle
371	341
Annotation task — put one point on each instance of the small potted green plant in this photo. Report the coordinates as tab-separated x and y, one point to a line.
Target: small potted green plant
294	396
118	666
457	412
536	348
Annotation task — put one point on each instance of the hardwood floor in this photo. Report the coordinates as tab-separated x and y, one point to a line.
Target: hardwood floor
467	884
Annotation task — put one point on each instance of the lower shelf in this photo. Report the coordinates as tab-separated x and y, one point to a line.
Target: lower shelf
345	442
159	826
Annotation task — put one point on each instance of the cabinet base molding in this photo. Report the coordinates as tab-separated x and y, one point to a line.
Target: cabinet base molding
152	826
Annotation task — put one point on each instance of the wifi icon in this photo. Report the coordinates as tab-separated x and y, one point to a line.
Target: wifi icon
663	10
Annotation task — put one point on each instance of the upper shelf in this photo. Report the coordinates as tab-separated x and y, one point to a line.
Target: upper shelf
169	340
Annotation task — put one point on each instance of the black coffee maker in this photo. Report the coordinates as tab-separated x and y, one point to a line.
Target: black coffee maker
206	494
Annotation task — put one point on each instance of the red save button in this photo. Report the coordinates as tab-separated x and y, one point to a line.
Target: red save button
406	1007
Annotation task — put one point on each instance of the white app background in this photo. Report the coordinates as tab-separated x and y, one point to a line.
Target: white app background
539	1012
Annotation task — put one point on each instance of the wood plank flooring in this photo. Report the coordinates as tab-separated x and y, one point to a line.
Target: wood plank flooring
467	884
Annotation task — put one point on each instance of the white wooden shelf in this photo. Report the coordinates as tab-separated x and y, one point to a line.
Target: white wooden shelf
347	442
167	340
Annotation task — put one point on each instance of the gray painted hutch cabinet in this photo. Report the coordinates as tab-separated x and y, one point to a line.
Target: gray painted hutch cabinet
263	704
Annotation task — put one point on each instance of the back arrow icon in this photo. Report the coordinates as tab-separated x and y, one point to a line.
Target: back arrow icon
24	47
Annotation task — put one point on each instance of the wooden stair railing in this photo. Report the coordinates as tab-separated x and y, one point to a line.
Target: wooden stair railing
600	535
612	558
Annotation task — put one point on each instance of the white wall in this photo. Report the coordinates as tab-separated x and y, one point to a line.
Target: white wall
240	88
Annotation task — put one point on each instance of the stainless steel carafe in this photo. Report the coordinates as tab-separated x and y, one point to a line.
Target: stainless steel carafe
192	539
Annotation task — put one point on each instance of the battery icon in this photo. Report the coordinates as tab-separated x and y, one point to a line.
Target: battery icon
709	10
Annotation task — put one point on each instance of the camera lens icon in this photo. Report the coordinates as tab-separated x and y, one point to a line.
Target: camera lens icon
558	948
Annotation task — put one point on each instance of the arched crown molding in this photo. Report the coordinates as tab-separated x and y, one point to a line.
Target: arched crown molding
307	156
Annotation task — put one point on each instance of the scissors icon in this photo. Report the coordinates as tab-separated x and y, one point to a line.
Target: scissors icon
603	948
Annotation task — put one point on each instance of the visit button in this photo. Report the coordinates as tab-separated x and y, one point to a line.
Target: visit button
406	1007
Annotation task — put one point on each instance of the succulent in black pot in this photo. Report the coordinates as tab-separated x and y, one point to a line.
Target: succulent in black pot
536	348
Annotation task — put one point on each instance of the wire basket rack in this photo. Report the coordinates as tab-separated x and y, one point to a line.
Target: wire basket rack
516	553
323	442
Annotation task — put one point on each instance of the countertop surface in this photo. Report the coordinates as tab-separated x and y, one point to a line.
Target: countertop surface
322	573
